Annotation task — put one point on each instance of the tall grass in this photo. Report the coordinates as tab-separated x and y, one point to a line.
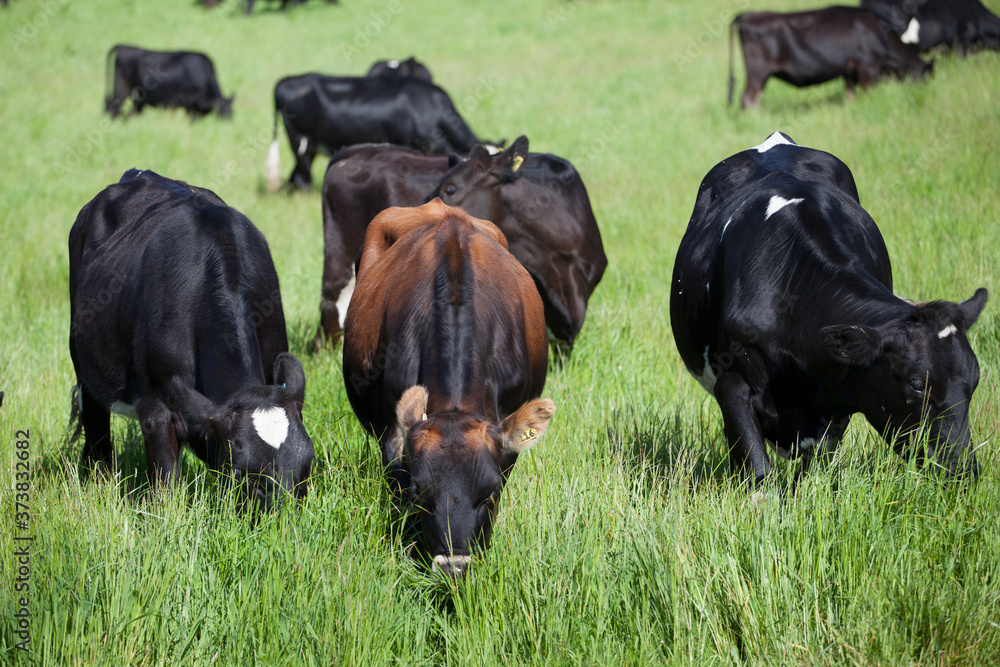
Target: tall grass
622	539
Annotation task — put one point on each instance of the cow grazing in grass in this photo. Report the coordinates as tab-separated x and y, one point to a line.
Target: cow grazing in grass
928	24
812	47
537	200
409	67
184	79
445	355
176	321
782	307
327	113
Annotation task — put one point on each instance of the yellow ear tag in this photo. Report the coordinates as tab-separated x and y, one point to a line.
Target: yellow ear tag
529	435
518	161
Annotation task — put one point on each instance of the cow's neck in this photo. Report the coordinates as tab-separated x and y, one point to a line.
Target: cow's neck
229	357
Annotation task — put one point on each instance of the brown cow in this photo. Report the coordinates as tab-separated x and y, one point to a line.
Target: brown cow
445	355
812	47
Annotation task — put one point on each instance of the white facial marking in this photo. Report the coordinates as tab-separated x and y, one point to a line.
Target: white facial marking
912	34
271	425
707	378
947	331
303	145
124	409
344	300
457	563
777	203
774	140
393	64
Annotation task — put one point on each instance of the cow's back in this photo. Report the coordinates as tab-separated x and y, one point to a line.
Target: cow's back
433	302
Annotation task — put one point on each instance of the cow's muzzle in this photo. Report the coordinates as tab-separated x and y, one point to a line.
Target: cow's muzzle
453	566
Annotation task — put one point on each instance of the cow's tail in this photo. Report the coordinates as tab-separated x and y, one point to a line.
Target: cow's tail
109	79
732	79
273	164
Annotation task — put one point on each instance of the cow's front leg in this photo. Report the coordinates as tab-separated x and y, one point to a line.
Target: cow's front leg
747	450
160	438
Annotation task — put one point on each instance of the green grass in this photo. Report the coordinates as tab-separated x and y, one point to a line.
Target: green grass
621	540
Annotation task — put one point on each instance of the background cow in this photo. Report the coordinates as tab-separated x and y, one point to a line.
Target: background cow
176	321
928	24
409	67
537	200
445	355
781	306
183	79
328	113
811	47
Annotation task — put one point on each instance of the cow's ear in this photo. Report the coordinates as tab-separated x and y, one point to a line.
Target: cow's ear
288	373
525	428
852	344
199	409
510	161
412	407
972	307
479	152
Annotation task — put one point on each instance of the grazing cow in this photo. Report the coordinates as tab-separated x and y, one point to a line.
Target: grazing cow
537	200
284	4
328	113
928	24
183	79
445	356
782	307
812	47
409	67
176	321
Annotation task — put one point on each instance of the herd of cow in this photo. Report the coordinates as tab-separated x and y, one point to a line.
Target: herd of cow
447	265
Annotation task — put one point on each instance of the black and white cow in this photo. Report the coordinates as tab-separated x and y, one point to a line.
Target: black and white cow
176	321
928	24
782	307
409	67
183	79
327	113
812	47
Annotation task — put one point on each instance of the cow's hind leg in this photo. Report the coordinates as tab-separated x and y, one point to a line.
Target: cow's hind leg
747	450
160	438
96	423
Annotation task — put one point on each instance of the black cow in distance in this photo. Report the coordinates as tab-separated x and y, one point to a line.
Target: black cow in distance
928	24
184	79
812	47
782	307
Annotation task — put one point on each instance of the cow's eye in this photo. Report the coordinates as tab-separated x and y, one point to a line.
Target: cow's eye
492	499
450	190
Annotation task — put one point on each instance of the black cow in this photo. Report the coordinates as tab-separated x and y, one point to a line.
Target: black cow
176	321
444	359
409	67
812	47
537	200
328	113
928	24
284	4
782	307
183	79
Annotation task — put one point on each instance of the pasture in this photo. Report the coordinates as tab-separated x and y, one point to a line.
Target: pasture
621	539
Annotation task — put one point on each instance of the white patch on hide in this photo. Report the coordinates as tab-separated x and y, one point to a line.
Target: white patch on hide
344	300
707	379
271	425
912	34
947	331
777	203
775	139
124	409
303	145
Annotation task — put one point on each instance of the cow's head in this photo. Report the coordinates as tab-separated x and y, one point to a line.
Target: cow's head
918	371
474	184
259	436
226	106
457	465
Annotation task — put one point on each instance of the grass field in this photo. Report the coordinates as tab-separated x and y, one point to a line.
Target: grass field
622	539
